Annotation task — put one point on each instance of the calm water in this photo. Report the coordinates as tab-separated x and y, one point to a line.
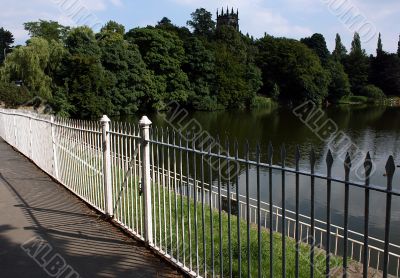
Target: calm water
373	129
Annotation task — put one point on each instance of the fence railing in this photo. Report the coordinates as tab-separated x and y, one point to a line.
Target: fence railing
191	202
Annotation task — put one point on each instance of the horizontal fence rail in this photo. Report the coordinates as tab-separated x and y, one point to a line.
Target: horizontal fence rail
190	199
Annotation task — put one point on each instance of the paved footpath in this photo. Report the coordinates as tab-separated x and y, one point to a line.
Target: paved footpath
45	231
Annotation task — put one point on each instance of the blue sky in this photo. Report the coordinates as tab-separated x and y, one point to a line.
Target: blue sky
289	18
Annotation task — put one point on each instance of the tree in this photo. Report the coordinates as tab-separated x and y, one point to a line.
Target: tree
84	76
166	25
357	66
6	40
238	78
199	65
317	43
339	85
356	44
294	67
202	22
379	49
128	81
373	92
398	48
113	27
163	54
49	30
340	51
385	73
30	64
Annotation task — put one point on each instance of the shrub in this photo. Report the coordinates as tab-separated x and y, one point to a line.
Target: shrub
206	103
261	102
13	96
373	92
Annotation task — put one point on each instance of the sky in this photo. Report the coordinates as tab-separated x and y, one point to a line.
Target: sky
283	18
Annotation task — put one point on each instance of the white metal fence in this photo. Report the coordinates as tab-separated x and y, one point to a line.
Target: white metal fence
146	181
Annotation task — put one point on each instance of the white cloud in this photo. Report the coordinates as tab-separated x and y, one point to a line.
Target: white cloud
117	3
67	12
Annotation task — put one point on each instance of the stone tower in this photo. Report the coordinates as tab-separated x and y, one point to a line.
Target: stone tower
226	18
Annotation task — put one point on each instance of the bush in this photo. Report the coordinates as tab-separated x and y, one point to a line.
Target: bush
373	92
206	103
261	102
13	96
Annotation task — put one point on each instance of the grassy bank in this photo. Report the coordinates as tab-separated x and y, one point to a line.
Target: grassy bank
178	237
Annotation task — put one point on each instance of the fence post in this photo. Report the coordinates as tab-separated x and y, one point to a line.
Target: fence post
53	141
15	131
30	138
105	123
146	183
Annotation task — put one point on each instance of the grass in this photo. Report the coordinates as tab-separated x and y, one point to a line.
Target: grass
184	246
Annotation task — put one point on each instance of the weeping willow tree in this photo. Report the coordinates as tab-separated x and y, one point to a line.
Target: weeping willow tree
33	65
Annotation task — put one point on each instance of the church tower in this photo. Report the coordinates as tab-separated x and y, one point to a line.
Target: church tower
228	18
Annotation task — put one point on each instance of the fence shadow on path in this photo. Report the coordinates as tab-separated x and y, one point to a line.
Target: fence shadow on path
93	247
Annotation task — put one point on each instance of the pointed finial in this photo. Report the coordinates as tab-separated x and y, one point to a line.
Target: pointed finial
347	163
144	121
105	119
329	159
232	11
390	167
368	165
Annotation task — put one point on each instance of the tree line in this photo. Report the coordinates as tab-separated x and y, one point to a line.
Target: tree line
84	74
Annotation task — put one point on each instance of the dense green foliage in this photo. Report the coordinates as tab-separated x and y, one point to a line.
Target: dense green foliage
340	51
85	74
202	22
357	65
6	40
339	86
13	96
372	92
295	68
385	73
34	64
317	43
49	30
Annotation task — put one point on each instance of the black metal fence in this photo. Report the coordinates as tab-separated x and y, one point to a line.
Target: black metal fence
215	213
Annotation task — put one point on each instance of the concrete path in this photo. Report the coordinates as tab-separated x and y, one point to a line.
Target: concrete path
45	231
